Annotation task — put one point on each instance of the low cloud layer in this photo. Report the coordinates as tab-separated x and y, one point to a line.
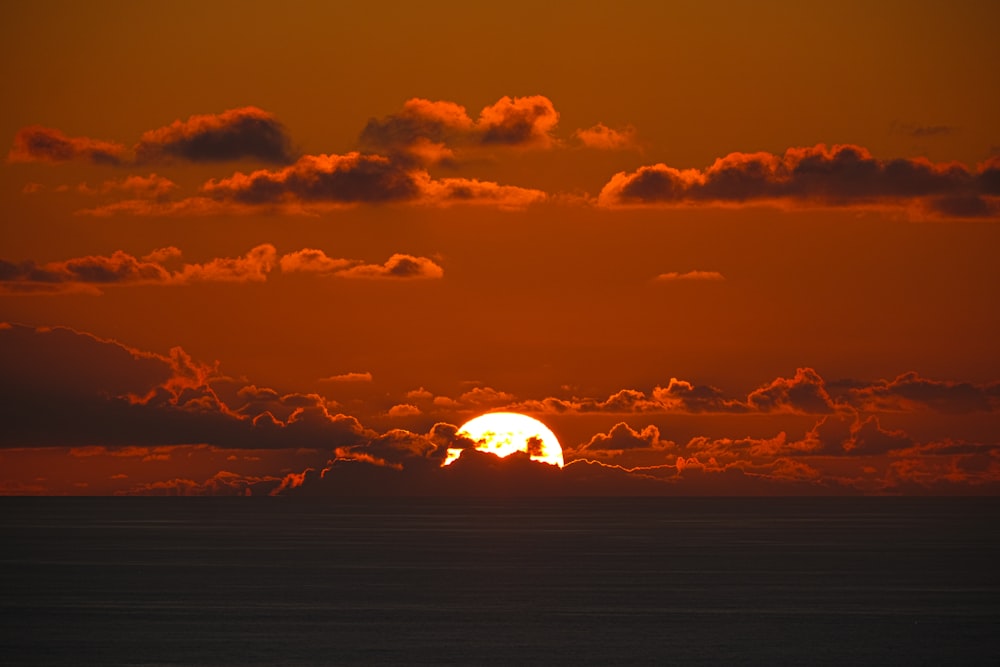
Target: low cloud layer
105	404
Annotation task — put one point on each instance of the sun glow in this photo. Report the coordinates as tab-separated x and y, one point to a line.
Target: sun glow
503	433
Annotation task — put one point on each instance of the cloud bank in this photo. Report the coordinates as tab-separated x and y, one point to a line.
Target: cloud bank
841	176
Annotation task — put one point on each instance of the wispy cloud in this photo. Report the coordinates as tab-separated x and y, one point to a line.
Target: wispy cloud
93	273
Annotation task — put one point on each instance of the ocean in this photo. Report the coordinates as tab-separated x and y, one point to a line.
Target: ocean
477	581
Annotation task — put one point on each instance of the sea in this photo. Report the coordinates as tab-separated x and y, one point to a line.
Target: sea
500	581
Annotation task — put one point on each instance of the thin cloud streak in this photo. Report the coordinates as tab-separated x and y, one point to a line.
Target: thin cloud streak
92	274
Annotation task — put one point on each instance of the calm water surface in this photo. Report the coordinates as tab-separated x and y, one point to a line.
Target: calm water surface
295	581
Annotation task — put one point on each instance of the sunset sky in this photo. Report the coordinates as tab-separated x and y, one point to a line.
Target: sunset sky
717	248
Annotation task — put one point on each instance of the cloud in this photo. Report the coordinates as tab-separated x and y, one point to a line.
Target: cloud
420	132
426	132
356	178
144	187
922	131
843	175
805	394
247	132
251	267
690	276
847	434
86	274
404	410
518	121
151	187
66	388
92	273
910	392
625	446
602	137
310	260
42	144
397	267
222	483
349	377
350	178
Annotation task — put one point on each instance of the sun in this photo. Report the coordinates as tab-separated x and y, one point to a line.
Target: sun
503	433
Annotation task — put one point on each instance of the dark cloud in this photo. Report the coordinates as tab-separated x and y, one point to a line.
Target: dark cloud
805	393
518	121
622	437
910	392
843	175
247	132
846	434
350	178
425	132
43	144
421	132
65	388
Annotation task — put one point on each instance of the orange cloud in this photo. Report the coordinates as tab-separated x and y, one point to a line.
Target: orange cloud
247	132
397	267
602	137
334	180
42	144
85	274
805	393
349	377
690	275
426	132
843	175
518	121
254	266
90	274
350	178
404	410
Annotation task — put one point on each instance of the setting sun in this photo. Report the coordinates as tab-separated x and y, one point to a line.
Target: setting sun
503	433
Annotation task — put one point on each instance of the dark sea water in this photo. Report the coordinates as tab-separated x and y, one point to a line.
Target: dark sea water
621	581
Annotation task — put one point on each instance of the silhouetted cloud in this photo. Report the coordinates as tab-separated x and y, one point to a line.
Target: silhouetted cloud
42	144
355	178
805	393
843	175
911	392
66	388
247	132
518	121
426	132
347	178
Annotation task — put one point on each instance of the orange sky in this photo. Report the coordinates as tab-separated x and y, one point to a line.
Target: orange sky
745	248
